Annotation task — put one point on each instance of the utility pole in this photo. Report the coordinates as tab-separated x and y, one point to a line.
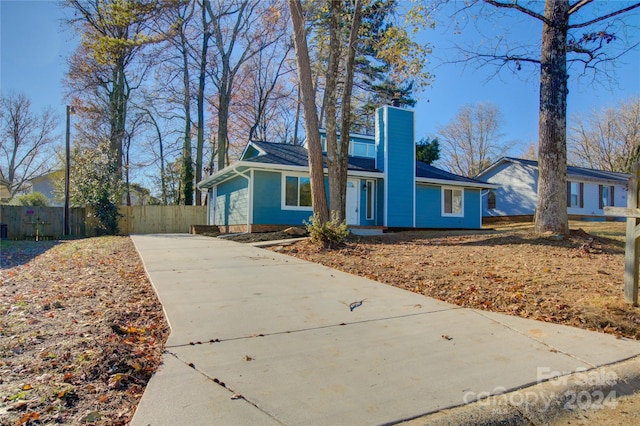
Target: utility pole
67	172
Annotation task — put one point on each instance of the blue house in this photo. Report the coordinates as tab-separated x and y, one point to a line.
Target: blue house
269	187
516	194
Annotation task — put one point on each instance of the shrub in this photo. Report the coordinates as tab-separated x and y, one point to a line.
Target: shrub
330	234
107	214
36	199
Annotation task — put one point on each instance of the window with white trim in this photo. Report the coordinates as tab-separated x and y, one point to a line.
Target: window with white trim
371	192
296	192
452	202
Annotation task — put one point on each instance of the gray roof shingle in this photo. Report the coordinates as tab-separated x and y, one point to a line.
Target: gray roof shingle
581	172
294	155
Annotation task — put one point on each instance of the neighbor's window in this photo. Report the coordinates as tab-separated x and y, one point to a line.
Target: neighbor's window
491	199
606	195
575	194
452	202
370	188
297	191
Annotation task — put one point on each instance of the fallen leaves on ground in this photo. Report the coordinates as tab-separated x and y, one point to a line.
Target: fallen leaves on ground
81	331
577	281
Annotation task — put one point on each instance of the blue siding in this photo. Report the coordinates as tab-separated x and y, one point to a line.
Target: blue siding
399	167
429	209
232	202
267	202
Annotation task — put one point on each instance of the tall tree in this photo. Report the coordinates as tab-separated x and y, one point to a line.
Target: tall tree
345	110
584	32
608	139
186	173
307	91
200	94
473	139
348	35
27	140
240	29
113	34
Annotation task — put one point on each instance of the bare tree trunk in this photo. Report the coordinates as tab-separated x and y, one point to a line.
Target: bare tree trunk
297	119
223	115
201	87
551	211
318	193
163	177
187	164
329	107
118	114
345	125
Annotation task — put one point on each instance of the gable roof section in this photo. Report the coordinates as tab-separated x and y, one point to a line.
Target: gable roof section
281	156
581	173
426	172
295	155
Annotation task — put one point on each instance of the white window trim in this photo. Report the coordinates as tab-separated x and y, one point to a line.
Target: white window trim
373	199
370	149
283	192
442	192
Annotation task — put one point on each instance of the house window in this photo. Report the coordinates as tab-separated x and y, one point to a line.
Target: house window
452	202
575	194
297	192
491	199
370	188
606	195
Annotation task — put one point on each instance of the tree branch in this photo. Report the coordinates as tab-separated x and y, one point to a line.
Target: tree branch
604	17
578	5
519	8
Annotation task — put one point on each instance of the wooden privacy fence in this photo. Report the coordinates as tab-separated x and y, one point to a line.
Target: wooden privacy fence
160	219
39	223
23	222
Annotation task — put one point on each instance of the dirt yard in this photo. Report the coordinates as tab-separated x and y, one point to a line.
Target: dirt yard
81	331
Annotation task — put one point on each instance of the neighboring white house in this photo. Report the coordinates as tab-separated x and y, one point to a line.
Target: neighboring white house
588	190
44	184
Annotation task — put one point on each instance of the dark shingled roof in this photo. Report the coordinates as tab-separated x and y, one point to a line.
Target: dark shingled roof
582	172
424	170
294	155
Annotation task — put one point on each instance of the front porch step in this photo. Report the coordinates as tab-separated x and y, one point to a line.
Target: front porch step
365	231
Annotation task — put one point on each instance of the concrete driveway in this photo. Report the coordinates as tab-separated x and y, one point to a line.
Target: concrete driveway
263	338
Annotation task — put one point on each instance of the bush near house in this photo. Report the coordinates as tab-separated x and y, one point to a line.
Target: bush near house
36	199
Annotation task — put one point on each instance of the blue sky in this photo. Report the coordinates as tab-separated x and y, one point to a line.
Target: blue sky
34	45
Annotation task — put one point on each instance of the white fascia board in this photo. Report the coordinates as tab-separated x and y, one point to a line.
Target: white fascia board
257	148
206	182
455	183
305	169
